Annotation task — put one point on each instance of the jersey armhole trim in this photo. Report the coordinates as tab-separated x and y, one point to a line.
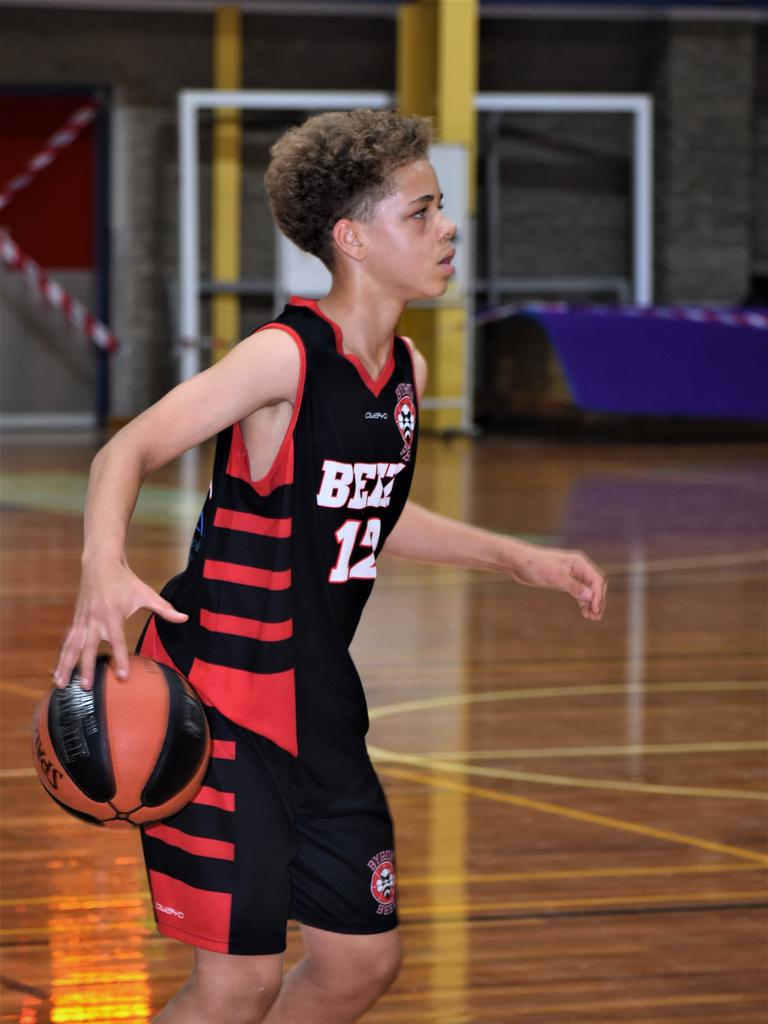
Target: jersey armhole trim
410	345
281	470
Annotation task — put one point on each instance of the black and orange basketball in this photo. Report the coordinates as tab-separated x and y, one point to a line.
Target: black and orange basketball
127	751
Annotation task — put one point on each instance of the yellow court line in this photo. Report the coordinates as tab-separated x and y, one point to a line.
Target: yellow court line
72	853
380	755
529	693
23	691
70	905
545	692
18	773
569	812
93	902
145	926
693	562
573	1006
59	821
453	576
631	749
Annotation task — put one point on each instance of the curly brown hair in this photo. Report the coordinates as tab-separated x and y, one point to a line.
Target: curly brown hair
339	165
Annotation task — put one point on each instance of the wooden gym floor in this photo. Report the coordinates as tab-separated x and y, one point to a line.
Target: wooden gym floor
581	807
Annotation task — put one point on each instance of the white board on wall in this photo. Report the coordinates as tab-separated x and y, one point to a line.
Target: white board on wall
298	273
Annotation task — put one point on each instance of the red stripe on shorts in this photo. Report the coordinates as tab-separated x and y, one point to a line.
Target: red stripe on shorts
196	845
215	798
264	702
248	522
254	629
231	572
224	749
186	912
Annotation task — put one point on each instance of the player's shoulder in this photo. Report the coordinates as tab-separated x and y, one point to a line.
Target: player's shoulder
274	338
270	355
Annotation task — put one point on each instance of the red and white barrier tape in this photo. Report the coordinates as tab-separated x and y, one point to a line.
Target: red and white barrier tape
74	125
55	295
691	314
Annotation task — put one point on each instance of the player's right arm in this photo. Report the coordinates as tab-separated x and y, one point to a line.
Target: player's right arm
262	370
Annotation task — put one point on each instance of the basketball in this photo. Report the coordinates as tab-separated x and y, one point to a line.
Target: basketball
129	751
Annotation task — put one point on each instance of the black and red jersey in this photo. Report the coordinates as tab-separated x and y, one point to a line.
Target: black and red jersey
280	568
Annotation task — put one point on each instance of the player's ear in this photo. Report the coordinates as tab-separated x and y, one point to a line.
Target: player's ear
346	235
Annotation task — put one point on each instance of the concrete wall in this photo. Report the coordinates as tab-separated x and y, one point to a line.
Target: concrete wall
565	209
706	148
759	183
47	368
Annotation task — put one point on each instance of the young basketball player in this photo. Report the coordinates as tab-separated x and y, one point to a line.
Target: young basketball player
316	416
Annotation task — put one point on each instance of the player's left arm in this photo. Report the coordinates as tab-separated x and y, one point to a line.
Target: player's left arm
426	536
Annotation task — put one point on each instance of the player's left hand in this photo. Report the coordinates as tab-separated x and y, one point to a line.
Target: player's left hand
569	571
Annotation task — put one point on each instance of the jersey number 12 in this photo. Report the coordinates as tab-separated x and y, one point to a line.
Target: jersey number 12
347	535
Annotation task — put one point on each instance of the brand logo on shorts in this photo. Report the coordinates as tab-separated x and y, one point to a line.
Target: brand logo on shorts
383	881
170	910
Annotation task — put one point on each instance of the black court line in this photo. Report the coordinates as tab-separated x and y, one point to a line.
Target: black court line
19	986
549	915
603	658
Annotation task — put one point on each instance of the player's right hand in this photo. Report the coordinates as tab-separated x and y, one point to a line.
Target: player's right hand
107	597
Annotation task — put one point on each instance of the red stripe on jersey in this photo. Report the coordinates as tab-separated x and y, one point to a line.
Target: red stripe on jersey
215	798
152	646
197	845
231	572
265	703
247	522
184	911
224	749
280	472
255	629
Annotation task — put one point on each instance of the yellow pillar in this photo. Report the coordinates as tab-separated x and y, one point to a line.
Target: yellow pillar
437	75
417	58
227	178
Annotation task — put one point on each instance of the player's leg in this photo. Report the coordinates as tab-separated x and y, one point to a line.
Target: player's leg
223	987
344	898
218	873
340	977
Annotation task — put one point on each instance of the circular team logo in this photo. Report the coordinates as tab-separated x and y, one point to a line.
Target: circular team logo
383	883
405	416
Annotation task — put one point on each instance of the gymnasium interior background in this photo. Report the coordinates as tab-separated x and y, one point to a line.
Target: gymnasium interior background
573	839
103	219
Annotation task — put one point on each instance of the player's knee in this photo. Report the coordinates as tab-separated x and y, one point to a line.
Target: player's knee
367	971
384	969
241	1000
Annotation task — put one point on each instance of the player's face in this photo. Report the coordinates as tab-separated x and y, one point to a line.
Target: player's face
409	248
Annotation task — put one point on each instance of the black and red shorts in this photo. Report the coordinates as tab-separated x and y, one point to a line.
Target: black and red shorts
229	870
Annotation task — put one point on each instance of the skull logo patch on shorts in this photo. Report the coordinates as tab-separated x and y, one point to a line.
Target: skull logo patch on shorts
383	881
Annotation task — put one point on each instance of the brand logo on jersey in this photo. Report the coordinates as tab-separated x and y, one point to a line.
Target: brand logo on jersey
377	415
170	910
357	484
383	881
405	417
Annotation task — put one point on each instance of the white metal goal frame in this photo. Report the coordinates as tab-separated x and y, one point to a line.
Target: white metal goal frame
640	107
192	101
